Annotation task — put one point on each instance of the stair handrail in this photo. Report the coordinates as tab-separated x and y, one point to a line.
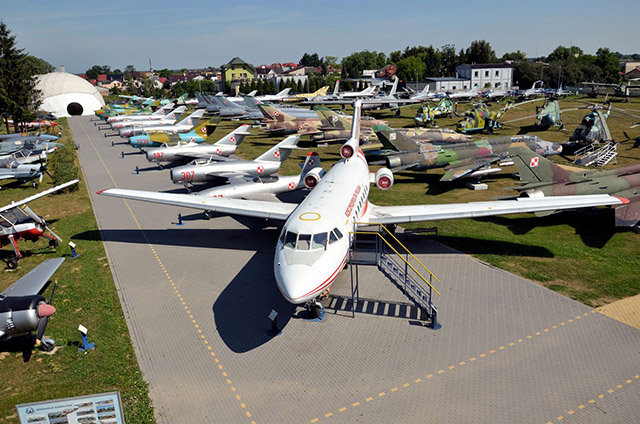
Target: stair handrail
400	255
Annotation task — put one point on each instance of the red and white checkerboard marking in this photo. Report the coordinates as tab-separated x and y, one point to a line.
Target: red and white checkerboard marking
292	186
260	169
533	162
192	139
300	126
312	161
232	139
276	113
276	154
204	130
219	151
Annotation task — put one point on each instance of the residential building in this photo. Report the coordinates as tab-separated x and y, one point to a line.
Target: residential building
444	84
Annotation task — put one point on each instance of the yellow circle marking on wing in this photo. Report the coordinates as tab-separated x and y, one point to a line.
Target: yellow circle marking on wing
309	216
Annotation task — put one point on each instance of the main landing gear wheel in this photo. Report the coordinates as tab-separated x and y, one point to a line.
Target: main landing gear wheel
53	243
12	263
207	215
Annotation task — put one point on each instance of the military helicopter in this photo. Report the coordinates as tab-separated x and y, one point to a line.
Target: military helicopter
427	114
481	119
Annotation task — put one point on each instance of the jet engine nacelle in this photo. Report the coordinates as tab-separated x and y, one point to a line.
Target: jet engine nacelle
384	178
313	177
533	193
189	174
394	162
348	149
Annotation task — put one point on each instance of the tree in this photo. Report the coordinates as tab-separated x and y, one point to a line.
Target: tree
95	70
410	69
310	60
39	66
516	56
354	64
19	98
448	60
608	62
480	51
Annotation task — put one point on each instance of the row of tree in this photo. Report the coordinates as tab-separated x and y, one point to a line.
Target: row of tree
19	98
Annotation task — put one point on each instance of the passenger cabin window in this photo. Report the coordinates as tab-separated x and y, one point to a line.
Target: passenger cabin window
332	237
304	242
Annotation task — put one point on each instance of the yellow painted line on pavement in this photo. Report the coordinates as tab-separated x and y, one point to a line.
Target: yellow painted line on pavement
163	268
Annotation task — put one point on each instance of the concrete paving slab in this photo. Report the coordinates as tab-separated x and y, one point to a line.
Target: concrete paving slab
197	297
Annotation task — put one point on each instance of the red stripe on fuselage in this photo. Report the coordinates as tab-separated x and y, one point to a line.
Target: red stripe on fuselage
328	280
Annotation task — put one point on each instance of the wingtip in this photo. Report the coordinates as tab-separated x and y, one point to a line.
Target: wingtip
101	191
624	200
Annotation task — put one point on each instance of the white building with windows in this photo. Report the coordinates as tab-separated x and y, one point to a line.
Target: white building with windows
487	75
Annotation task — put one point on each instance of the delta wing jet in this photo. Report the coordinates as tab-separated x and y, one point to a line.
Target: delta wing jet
192	150
313	246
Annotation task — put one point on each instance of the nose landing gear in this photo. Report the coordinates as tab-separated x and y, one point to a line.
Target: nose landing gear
314	311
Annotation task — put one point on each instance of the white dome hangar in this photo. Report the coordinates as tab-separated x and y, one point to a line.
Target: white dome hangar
67	95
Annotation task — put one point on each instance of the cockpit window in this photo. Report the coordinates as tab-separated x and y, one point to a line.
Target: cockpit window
338	233
304	242
290	239
332	237
319	241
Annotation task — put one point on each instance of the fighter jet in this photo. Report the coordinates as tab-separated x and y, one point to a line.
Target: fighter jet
18	221
274	97
34	144
198	134
231	110
313	246
279	122
23	309
336	127
541	177
269	185
208	170
158	114
193	150
464	159
139	126
183	126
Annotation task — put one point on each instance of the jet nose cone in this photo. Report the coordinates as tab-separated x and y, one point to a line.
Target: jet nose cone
296	282
45	310
548	148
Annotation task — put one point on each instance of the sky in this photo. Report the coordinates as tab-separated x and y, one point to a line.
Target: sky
198	34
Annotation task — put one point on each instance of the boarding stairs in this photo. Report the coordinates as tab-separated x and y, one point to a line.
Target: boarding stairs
589	155
374	244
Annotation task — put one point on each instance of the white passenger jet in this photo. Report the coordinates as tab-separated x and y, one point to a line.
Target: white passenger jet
314	244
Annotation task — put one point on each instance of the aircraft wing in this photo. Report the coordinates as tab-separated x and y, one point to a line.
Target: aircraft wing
457	170
38	195
200	155
418	213
35	281
252	208
7	176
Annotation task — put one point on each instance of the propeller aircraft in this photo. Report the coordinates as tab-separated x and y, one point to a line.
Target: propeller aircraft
313	246
23	309
18	221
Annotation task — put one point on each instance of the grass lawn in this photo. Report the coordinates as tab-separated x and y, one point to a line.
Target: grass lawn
85	295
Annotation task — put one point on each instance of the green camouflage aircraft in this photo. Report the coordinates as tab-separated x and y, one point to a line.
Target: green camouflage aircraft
427	114
541	177
464	159
336	127
481	119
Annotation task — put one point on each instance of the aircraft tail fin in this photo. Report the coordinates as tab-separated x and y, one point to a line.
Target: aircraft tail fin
336	88
392	139
320	91
333	119
164	109
193	119
395	87
205	129
312	161
368	90
251	102
174	114
252	93
236	136
284	93
281	151
533	168
273	113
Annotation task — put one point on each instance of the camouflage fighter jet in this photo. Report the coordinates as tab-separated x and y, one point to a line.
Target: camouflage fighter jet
541	177
337	127
464	159
278	122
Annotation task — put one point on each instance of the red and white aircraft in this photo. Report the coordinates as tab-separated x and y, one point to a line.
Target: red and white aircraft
314	244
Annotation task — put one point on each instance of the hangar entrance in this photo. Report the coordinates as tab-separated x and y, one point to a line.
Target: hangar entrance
74	109
376	245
